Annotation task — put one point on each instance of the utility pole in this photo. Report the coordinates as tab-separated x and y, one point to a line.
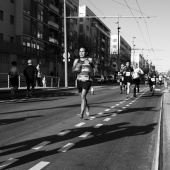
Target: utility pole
133	51
118	51
65	46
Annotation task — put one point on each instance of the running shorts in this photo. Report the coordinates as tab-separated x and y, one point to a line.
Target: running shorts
83	85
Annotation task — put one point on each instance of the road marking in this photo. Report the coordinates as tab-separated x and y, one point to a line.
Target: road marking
124	107
157	89
113	107
117	104
98	125
114	114
84	135
130	103
64	132
8	162
121	102
107	119
39	146
133	101
91	118
119	110
100	113
127	105
107	110
66	147
39	166
80	124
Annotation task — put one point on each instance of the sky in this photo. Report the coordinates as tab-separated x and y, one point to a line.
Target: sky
151	33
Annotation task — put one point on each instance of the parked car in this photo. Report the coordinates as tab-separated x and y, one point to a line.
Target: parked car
110	78
99	78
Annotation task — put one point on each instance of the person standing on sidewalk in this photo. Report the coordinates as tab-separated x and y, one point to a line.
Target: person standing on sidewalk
127	77
30	73
39	75
136	78
84	68
14	78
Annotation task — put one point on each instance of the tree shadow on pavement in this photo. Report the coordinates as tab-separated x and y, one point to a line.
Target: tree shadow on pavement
10	121
100	135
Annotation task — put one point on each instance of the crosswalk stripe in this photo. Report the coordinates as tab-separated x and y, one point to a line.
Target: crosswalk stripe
107	110
64	132
107	119
98	125
66	147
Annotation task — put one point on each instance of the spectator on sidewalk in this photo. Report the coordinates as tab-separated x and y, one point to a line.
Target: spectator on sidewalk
14	78
39	75
30	73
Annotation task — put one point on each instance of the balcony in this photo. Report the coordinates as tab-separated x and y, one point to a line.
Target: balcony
54	8
53	40
53	24
103	40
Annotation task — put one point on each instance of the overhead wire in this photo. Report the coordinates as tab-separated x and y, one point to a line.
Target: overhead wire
137	22
145	24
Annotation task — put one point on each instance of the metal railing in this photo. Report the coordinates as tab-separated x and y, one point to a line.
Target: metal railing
46	81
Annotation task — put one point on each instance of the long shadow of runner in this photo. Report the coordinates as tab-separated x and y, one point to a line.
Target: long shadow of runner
101	135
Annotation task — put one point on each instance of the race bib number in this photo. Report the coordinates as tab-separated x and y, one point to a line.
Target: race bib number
127	73
152	79
83	77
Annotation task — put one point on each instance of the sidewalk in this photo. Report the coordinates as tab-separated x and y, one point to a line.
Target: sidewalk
165	155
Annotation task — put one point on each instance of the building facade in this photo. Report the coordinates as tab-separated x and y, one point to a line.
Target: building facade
95	35
34	29
124	51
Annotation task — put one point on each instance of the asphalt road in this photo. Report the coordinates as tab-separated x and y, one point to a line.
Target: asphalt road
45	133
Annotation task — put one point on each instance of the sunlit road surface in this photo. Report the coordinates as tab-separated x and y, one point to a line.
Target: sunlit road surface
45	133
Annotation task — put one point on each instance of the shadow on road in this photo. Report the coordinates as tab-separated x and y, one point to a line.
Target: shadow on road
103	134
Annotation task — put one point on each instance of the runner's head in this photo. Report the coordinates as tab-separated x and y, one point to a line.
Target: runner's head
83	52
127	63
122	65
14	63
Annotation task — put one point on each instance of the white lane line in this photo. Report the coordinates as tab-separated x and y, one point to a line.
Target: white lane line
133	101
114	114
98	125
121	102
127	105
107	110
157	89
84	135
92	117
112	107
124	107
64	132
119	110
100	113
39	146
66	147
107	119
117	104
80	124
39	166
130	103
8	162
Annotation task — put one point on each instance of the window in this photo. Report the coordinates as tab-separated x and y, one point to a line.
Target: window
87	28
11	19
12	1
75	9
1	15
11	39
1	36
75	21
40	15
114	40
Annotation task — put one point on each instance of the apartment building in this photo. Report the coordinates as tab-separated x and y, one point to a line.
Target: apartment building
124	50
35	29
95	35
